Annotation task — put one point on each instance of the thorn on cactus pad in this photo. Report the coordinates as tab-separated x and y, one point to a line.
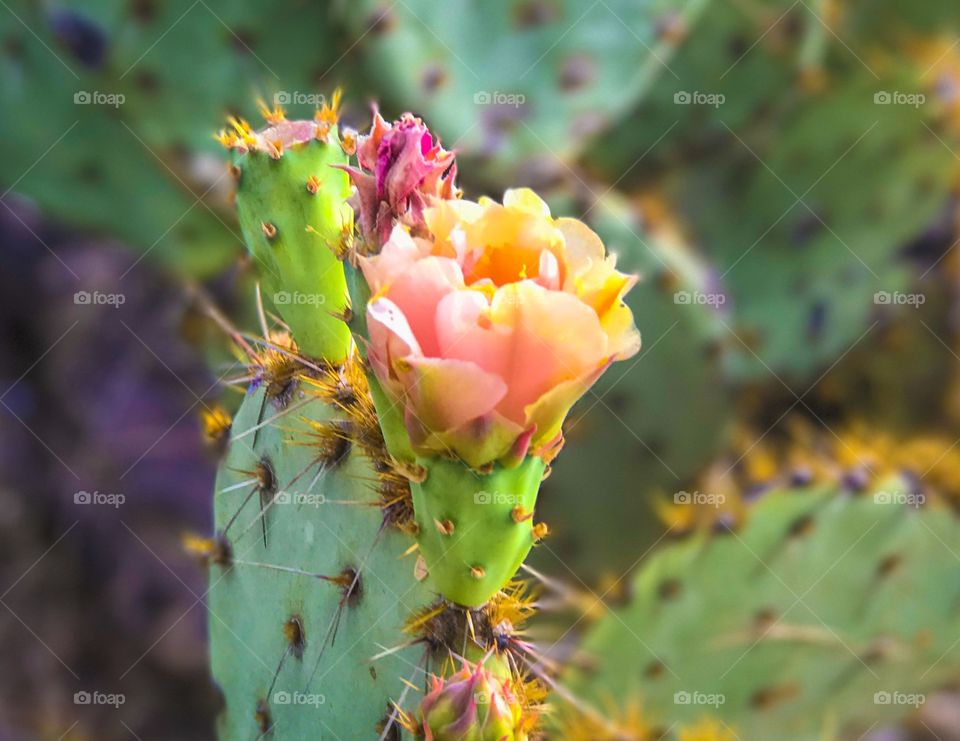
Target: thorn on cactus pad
670	589
420	571
275	148
394	719
266	478
313	185
478	572
654	670
216	550
348	142
801	527
263	717
351	586
269	230
519	514
445	527
329	113
764	620
217	423
888	565
766	698
272	116
293	632
267	487
540	531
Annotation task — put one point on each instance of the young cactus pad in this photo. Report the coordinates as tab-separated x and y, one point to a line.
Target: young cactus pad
291	202
821	610
474	529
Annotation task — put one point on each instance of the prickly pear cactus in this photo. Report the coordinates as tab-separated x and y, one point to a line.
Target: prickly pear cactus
121	98
733	65
826	612
315	515
291	202
833	262
530	81
474	532
312	586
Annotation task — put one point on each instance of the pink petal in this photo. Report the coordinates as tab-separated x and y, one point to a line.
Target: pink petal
398	254
391	338
418	291
554	338
447	394
464	331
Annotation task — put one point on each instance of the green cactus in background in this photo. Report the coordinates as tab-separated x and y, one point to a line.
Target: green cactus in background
530	83
122	96
824	612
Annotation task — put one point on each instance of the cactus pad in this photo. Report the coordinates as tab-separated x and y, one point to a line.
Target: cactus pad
819	612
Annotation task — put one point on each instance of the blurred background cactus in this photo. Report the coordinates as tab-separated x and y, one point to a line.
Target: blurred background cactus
782	175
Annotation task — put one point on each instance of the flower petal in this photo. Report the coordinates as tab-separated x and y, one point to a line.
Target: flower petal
390	337
548	412
584	248
465	332
554	337
447	394
399	254
418	292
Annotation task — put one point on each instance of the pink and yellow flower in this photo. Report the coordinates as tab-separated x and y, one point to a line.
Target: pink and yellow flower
490	324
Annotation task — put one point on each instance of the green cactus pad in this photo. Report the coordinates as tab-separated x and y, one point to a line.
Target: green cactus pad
729	70
521	81
827	608
303	277
475	529
316	521
816	268
180	67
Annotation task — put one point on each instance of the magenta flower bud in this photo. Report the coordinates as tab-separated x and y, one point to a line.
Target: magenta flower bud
402	170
